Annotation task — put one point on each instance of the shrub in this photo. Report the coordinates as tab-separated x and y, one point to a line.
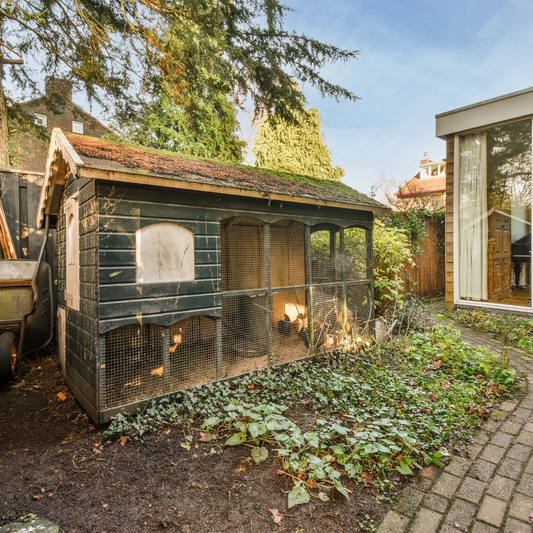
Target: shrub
392	253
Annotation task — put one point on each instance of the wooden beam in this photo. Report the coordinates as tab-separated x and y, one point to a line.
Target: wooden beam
6	242
177	183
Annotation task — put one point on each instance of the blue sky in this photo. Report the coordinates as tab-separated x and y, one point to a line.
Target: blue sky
417	59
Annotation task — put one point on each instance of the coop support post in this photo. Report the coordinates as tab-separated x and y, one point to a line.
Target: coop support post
100	375
166	359
343	256
309	282
370	276
218	354
268	280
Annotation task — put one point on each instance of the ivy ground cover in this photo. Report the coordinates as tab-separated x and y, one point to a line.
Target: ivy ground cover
395	407
517	330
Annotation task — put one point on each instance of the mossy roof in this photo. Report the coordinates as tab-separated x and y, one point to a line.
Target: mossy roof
114	156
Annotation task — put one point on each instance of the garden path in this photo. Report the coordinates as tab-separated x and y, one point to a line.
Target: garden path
489	490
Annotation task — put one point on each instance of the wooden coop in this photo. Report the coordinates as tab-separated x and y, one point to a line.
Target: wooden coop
176	272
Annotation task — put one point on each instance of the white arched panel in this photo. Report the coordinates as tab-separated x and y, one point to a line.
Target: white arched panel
164	253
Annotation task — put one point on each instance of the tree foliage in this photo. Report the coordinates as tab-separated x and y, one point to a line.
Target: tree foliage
295	147
238	47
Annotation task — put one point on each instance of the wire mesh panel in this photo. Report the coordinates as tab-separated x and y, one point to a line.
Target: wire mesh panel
132	366
289	326
328	305
245	343
359	307
356	253
287	253
243	256
192	353
324	256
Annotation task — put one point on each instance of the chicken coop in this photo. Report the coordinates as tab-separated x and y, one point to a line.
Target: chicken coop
174	272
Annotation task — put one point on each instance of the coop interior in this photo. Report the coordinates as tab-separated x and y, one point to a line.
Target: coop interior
271	312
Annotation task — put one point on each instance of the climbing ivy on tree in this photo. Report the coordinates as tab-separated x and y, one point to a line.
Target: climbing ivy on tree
295	147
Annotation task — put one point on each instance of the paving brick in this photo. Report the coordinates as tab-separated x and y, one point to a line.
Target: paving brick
446	485
508	406
529	467
481	527
493	454
514	526
482	470
393	523
526	485
502	439
522	414
409	501
510	468
511	427
501	487
521	507
471	490
437	503
473	450
446	528
491	425
492	511
498	415
458	466
527	403
519	452
528	427
525	437
481	437
427	521
461	514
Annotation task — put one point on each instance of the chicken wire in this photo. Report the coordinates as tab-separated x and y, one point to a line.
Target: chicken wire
132	365
271	314
242	254
244	334
289	326
192	353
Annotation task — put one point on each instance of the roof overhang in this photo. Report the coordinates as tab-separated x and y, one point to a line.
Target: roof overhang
63	160
483	114
420	191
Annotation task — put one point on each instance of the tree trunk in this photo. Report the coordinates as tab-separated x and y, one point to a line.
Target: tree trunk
4	143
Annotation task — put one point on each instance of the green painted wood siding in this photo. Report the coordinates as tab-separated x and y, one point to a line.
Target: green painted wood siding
123	209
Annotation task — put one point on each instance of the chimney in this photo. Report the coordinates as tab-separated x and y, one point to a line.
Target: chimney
57	86
426	159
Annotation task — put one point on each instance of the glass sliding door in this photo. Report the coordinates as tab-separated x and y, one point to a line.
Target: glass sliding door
495	198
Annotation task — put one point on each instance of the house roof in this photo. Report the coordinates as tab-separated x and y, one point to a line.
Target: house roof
417	185
101	159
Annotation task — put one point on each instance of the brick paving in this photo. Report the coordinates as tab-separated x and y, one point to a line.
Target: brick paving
489	490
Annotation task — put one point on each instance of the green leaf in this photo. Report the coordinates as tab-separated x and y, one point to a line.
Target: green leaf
341	489
371	448
210	422
403	468
259	454
298	496
236	439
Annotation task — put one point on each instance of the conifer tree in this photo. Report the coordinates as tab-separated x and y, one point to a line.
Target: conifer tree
116	51
295	147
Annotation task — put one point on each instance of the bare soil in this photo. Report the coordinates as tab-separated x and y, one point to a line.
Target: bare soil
53	464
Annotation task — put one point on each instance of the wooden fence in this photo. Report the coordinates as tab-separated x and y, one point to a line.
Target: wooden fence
427	276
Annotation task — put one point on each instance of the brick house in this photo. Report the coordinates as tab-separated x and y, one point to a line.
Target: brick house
426	189
66	115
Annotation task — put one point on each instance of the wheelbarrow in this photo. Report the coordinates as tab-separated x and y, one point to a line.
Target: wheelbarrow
26	304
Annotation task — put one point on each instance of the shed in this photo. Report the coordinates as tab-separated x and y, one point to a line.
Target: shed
175	272
489	199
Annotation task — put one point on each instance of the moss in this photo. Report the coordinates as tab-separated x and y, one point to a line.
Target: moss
322	189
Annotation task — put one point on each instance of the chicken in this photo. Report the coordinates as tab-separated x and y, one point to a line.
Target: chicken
284	326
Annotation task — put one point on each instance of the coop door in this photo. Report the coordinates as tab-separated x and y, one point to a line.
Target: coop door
72	293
